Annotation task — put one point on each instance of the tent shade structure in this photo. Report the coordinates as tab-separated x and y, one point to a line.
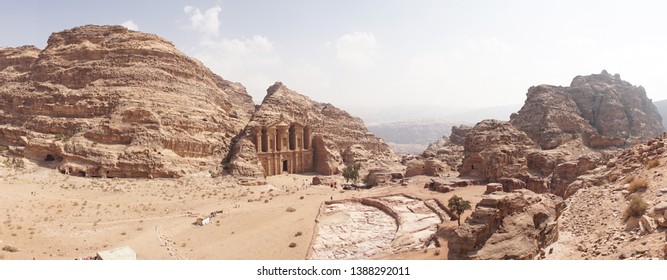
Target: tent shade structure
122	253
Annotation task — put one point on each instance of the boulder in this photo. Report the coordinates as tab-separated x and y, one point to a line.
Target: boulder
510	184
493	187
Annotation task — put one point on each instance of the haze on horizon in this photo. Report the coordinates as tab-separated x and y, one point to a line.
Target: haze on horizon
470	54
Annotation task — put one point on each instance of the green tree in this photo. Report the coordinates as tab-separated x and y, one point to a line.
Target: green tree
458	205
351	172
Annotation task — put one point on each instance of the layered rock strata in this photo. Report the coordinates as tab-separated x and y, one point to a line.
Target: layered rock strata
292	133
108	101
515	225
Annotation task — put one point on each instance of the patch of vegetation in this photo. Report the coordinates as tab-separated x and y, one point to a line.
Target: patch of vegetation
351	172
290	209
298	234
458	205
16	163
10	248
636	208
63	137
638	184
628	179
652	163
292	245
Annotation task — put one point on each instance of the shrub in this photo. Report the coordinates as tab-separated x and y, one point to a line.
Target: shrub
628	179
63	137
9	248
652	163
292	245
15	163
298	234
290	209
638	184
636	208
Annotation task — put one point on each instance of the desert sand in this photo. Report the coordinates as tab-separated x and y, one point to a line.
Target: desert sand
49	215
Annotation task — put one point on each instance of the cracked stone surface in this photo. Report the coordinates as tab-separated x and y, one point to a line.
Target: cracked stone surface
353	229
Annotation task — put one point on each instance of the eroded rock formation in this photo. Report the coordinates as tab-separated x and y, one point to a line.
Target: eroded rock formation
108	101
513	225
293	133
599	110
575	129
495	149
449	149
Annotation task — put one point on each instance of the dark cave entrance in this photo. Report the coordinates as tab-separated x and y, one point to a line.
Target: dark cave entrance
49	157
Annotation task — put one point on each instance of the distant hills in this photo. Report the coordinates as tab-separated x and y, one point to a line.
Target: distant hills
409	130
412	128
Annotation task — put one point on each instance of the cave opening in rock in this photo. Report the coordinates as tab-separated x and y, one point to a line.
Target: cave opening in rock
82	173
49	158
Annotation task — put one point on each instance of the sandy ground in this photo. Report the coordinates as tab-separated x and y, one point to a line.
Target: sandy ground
48	215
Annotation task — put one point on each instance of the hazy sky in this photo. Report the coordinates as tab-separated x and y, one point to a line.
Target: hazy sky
384	52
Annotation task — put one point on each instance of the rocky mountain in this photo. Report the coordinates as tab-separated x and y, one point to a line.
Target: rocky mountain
566	142
600	110
337	137
574	129
661	105
110	102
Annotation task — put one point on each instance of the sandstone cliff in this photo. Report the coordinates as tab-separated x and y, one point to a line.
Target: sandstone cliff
108	101
574	128
449	149
513	225
336	137
495	149
600	110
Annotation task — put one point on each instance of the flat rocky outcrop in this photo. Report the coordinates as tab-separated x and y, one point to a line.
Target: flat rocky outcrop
374	227
108	101
513	225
